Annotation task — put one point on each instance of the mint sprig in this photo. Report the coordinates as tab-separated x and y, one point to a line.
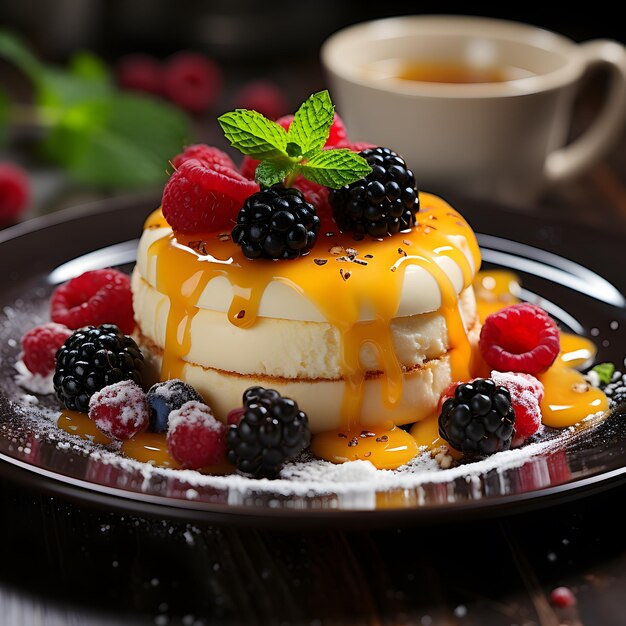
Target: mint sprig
604	371
284	155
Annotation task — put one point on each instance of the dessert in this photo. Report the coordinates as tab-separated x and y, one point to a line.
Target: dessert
325	306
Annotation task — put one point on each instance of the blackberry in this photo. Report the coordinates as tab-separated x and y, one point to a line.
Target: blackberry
272	430
93	358
276	223
165	397
479	419
383	203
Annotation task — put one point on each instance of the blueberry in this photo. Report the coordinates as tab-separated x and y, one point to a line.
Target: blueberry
165	397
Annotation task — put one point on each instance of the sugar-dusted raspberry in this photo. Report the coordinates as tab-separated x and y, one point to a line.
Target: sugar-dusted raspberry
207	155
200	198
192	80
194	437
120	410
520	338
526	394
263	96
93	298
14	192
140	72
40	345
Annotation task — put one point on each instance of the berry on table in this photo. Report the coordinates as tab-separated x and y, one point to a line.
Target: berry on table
207	155
93	298
192	80
263	96
383	203
520	338
479	420
271	431
276	223
14	192
92	358
194	437
562	597
40	345
119	410
201	198
140	72
165	397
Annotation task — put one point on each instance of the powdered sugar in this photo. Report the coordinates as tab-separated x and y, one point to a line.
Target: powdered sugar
194	413
119	410
33	382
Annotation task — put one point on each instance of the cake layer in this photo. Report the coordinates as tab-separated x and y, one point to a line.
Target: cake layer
286	348
408	270
322	399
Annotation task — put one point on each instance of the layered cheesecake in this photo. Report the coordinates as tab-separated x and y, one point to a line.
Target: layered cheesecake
360	333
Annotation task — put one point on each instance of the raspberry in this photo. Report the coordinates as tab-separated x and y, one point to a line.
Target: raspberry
140	72
93	298
120	410
520	338
562	597
357	146
195	438
200	198
234	416
207	155
191	80
338	134
40	345
14	192
263	96
526	394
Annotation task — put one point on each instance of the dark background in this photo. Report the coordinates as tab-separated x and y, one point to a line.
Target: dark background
276	31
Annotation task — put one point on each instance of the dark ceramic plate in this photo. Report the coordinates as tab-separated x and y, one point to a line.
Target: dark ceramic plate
576	272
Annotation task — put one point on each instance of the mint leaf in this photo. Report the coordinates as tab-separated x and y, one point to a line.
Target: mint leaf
122	141
335	168
59	89
311	124
253	134
270	173
604	372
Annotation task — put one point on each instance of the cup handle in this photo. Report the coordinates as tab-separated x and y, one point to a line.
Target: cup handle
597	139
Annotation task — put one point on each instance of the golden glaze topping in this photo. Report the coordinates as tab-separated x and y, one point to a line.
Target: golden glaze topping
341	277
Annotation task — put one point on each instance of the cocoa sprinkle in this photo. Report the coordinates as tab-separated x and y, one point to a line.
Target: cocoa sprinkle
320	261
382	439
367	433
353	442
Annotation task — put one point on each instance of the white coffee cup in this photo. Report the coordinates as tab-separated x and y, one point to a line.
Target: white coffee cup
503	140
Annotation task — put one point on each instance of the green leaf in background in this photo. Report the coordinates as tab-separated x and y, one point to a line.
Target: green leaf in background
311	123
335	168
4	113
270	173
121	141
89	67
604	371
253	134
13	49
